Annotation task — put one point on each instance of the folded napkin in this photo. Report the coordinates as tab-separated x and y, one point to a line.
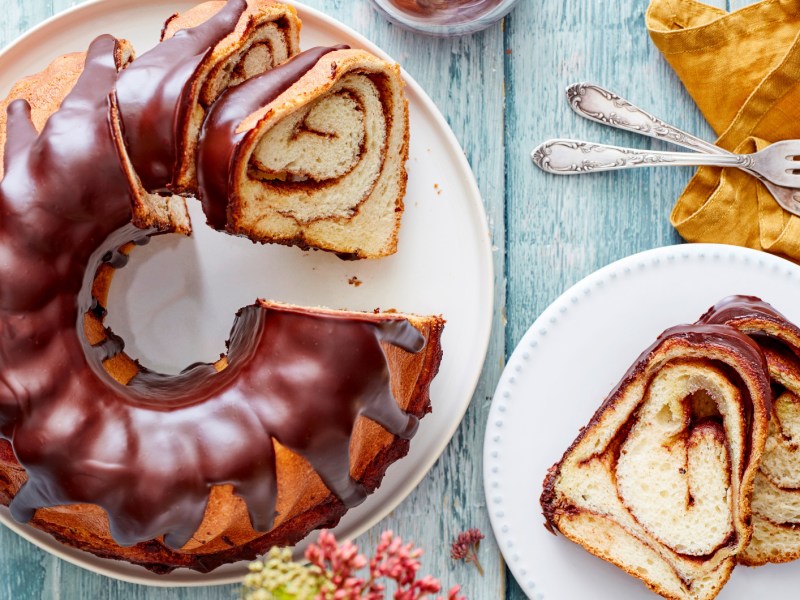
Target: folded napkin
743	71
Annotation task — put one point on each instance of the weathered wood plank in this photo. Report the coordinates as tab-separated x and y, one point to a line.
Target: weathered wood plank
560	229
465	78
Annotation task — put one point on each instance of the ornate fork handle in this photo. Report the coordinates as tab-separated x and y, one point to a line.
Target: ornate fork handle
599	104
571	157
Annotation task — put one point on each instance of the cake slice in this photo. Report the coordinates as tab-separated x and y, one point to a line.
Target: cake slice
311	153
161	98
659	481
776	494
266	35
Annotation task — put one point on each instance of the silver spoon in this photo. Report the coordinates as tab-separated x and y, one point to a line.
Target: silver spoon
603	106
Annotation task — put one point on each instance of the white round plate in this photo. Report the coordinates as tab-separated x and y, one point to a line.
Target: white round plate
175	301
565	366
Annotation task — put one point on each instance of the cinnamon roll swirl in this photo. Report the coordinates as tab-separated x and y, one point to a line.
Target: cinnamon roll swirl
311	153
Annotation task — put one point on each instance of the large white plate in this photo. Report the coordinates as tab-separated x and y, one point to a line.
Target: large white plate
174	303
561	371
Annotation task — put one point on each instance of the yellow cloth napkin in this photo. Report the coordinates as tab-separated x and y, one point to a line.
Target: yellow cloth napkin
743	71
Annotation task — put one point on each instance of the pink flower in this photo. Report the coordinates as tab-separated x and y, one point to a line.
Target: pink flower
454	595
393	560
466	547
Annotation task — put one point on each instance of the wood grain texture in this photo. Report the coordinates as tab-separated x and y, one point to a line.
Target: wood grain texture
560	229
465	79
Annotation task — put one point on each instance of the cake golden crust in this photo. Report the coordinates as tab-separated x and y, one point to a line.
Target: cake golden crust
304	503
44	91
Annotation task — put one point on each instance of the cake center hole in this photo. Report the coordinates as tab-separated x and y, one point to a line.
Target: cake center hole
175	301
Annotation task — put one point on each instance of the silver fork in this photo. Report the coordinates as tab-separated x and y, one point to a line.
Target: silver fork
603	106
597	104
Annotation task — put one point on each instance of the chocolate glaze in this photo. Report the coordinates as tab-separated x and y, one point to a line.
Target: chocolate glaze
219	140
759	320
738	307
50	223
154	95
727	339
164	440
148	452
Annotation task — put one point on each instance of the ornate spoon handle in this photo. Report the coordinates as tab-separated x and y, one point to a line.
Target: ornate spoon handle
571	157
599	104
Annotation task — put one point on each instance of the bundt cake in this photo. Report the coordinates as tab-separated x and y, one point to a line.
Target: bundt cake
293	425
659	481
776	494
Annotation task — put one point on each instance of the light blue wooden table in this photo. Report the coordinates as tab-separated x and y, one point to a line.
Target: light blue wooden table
502	93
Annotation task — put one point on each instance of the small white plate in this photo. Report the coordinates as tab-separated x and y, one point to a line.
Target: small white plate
175	301
565	366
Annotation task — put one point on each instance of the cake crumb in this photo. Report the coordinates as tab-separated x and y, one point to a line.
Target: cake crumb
355	281
438	189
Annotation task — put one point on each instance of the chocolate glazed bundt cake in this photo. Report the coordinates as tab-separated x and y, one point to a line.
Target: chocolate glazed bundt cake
659	482
296	423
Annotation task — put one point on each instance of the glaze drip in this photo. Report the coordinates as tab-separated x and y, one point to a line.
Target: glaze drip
299	376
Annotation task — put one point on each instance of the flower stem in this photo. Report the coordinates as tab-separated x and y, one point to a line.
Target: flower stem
473	558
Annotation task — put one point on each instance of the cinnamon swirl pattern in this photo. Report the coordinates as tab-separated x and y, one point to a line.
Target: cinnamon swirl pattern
659	482
776	494
313	162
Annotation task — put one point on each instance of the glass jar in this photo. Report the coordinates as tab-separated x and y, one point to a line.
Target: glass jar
444	17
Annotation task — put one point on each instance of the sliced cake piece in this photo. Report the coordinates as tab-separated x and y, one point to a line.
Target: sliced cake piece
776	495
161	99
311	153
266	35
659	481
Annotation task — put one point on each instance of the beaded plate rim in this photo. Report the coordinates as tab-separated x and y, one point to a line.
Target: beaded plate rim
504	413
